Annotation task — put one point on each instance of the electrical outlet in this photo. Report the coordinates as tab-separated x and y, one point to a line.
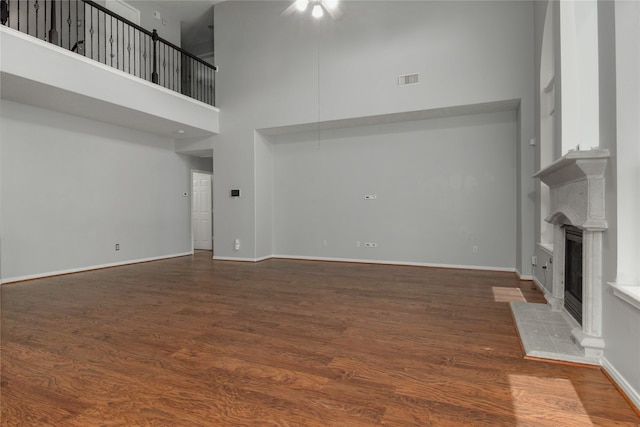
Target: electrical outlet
357	243
117	246
534	260
370	197
370	245
475	249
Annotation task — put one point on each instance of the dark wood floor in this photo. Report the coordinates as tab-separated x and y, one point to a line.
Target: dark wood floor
191	341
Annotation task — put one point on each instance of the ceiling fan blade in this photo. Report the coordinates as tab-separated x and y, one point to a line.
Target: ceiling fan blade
288	11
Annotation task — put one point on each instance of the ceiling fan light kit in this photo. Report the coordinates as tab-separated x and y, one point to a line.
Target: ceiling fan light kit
318	9
301	5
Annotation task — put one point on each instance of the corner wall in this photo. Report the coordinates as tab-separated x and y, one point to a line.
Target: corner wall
72	188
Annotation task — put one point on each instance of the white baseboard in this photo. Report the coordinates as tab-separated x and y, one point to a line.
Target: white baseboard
522	277
407	263
540	286
632	394
92	267
239	259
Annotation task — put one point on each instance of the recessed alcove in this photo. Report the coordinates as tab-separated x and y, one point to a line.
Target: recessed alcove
444	180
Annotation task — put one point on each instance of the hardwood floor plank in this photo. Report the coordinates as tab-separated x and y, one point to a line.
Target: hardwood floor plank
195	342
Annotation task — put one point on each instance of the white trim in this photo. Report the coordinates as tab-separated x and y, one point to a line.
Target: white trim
93	267
546	247
230	258
366	261
522	277
541	287
407	263
627	293
632	394
193	171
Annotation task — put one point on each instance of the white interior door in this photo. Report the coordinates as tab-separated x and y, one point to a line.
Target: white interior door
201	211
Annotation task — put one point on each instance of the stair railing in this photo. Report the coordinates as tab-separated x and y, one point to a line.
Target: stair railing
91	30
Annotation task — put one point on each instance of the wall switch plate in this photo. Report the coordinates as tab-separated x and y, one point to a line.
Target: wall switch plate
475	249
117	246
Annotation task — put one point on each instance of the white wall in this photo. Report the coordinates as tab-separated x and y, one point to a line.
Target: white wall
72	188
282	71
443	186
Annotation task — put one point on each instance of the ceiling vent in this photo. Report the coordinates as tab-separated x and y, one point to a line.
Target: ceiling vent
409	79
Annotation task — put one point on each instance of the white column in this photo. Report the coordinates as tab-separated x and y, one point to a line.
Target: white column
589	336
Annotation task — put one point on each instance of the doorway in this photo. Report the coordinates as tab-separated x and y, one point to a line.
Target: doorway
202	210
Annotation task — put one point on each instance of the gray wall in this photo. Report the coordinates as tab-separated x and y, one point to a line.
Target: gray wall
72	188
283	71
443	186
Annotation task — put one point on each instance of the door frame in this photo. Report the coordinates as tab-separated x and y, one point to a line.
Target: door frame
194	171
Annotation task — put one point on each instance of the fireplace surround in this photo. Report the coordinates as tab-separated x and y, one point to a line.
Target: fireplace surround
573	272
577	192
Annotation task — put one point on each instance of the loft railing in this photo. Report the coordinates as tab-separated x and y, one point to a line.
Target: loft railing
91	30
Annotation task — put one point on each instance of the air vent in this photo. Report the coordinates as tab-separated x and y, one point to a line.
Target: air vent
409	79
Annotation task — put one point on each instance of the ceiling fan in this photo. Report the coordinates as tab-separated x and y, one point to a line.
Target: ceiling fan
318	7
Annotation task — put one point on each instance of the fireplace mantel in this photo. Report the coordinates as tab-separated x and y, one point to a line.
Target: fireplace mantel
576	183
577	191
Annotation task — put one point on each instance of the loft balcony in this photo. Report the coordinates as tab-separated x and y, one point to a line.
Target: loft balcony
79	58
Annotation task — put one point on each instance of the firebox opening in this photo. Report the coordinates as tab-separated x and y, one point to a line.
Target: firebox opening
573	272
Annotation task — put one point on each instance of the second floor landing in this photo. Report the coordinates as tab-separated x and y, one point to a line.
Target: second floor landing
38	73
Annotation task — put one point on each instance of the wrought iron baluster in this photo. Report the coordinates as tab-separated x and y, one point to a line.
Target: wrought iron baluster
69	21
91	31
134	52
111	39
53	31
129	48
4	13
164	65
36	6
154	75
98	19
77	26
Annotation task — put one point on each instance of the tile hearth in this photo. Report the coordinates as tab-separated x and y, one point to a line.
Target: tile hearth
546	334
